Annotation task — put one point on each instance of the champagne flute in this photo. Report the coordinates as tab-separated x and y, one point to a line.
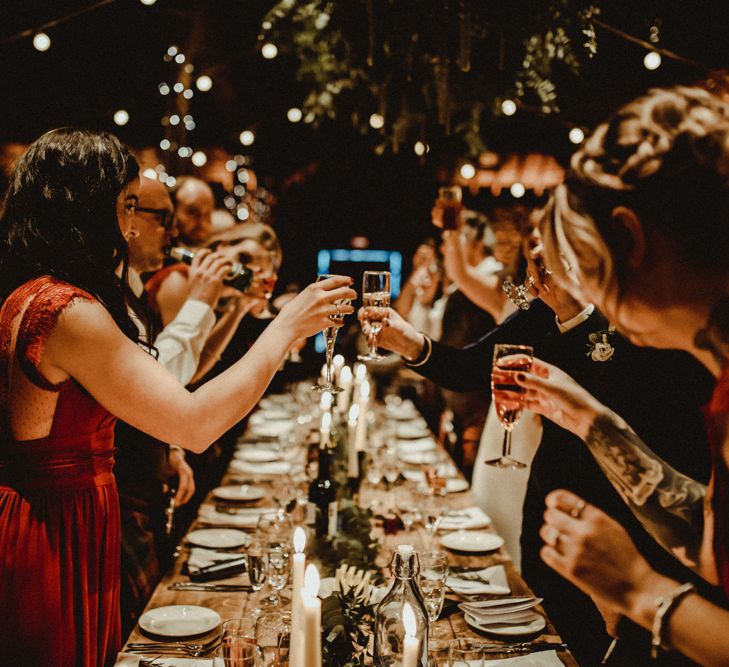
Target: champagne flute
268	281
256	567
330	338
375	294
508	396
278	564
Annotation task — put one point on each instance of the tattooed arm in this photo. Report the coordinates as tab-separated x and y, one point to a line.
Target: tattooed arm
670	505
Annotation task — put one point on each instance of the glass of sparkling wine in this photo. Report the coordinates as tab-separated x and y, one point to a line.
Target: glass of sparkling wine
330	338
256	567
268	283
238	643
432	581
507	395
375	294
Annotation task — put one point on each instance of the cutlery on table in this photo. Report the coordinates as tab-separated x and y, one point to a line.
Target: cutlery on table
173	651
524	647
216	588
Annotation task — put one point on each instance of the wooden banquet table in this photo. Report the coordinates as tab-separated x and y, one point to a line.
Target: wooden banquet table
235	605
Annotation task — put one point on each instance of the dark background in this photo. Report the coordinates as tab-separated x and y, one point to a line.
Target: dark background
111	58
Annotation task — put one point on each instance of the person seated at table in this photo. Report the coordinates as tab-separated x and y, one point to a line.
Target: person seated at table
642	219
70	363
646	384
145	467
193	202
418	296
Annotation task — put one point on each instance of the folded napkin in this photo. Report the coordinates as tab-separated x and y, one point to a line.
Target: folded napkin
537	659
132	660
418	445
492	581
200	557
465	519
242	518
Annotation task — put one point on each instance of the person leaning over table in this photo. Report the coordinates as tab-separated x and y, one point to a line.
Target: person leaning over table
144	467
645	383
70	363
644	218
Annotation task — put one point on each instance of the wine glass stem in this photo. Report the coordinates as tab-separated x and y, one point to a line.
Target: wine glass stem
506	452
373	339
329	339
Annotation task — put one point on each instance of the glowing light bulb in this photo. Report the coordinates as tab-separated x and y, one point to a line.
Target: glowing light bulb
652	60
269	51
170	181
204	83
174	119
172	51
41	41
376	121
121	117
247	137
576	135
508	107
199	158
165	144
180	58
517	190
294	114
178	87
420	148
164	89
467	171
231	165
187	94
243	213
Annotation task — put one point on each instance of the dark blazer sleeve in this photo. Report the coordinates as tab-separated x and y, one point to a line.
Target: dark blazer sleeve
469	368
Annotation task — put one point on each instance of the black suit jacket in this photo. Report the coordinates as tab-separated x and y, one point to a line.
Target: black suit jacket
658	392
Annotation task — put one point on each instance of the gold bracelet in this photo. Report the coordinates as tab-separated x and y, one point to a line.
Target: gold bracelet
664	606
428	350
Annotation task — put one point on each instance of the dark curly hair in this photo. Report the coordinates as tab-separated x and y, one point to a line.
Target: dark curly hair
59	217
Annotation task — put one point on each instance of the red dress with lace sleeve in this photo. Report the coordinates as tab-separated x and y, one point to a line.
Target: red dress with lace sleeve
59	509
718	420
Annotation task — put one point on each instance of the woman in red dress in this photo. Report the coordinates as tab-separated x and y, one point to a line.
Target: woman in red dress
68	362
643	221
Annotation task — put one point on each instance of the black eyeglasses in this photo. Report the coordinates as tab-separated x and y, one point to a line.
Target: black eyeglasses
166	217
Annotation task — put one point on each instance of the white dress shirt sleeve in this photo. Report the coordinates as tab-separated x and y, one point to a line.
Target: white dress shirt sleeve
181	342
578	319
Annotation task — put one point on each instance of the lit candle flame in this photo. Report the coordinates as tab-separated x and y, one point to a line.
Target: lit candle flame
408	619
338	360
345	375
353	414
364	390
360	372
326	401
311	582
299	540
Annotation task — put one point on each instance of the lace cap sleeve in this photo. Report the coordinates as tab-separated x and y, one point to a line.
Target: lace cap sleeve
48	299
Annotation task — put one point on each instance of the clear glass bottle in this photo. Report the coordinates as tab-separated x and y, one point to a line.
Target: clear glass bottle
389	629
239	277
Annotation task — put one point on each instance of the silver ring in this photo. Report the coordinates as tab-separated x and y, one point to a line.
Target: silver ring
578	509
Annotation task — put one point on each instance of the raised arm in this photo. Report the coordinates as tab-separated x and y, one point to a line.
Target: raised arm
88	346
669	504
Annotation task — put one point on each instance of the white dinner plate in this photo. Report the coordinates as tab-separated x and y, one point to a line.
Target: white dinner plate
257	454
411	432
218	538
272	429
456	485
419	445
263	468
275	400
179	620
466	540
239	492
532	623
416	458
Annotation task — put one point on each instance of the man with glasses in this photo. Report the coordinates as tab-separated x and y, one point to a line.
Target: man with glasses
194	204
145	467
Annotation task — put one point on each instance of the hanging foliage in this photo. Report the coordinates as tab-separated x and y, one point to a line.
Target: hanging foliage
430	67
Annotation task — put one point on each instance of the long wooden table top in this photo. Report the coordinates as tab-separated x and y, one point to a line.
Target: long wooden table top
236	605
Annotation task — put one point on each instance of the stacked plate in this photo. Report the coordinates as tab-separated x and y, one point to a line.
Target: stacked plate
240	518
268	469
179	621
489	581
239	493
506	617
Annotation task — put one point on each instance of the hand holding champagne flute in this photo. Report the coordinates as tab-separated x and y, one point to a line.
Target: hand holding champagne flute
375	294
330	338
507	395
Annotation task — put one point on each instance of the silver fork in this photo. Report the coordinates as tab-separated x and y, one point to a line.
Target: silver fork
176	651
189	646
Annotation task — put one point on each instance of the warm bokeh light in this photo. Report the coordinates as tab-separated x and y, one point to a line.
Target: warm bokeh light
576	135
149	173
652	60
420	148
121	117
199	158
299	540
467	171
517	190
269	51
165	144
164	89
311	581
247	137
204	83
508	107
376	121
294	114
408	620
41	41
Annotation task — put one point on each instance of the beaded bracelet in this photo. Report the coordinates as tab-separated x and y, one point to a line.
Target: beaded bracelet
664	606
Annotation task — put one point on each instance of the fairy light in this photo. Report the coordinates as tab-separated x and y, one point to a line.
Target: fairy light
231	165
420	148
376	121
204	83
239	190
187	93
190	125
165	144
244	176
199	158
294	114
467	171
180	58
121	117
147	3
269	50
178	87
41	42
652	60
164	89
172	51
247	137
508	107
170	181
174	119
576	135
243	213
517	190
